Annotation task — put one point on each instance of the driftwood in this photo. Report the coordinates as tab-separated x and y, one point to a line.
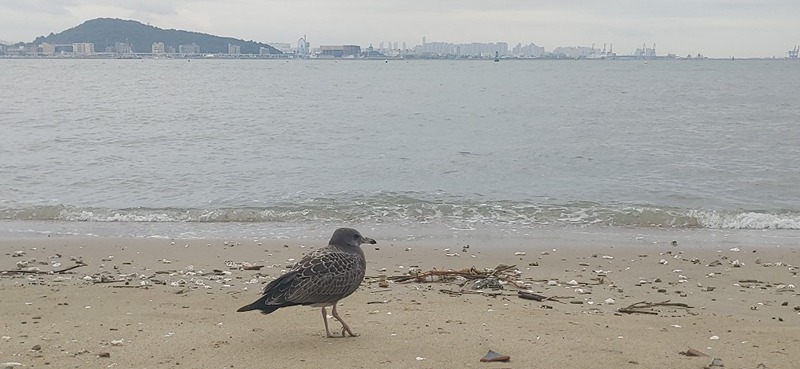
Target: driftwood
60	271
643	306
528	295
472	292
110	281
133	286
440	275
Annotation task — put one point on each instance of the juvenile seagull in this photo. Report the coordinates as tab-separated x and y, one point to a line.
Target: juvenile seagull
320	279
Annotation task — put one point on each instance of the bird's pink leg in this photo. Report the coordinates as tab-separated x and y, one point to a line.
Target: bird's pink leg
344	325
325	319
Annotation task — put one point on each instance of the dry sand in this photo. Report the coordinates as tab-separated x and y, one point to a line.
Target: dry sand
173	310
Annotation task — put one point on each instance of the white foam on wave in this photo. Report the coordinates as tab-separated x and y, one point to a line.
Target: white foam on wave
92	216
456	214
746	220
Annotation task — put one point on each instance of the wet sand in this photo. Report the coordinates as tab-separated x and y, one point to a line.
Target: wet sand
159	303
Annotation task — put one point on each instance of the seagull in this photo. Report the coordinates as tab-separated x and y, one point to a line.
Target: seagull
320	279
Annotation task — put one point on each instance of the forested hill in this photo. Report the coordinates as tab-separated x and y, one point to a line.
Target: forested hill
106	31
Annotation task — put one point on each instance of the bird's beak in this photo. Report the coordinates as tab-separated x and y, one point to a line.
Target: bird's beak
368	240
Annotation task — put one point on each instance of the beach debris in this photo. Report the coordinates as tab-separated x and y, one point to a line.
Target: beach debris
489	282
714	338
242	266
104	354
663	262
118	342
644	307
692	352
715	362
520	253
492	356
530	295
502	272
10	364
420	358
35	270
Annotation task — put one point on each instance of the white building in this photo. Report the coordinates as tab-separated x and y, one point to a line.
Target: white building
528	51
83	48
158	48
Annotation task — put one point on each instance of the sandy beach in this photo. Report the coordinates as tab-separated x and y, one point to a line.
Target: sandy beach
166	303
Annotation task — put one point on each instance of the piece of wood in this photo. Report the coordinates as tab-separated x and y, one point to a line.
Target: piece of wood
527	295
636	308
60	271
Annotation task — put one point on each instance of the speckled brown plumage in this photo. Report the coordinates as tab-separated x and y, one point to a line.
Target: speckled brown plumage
320	279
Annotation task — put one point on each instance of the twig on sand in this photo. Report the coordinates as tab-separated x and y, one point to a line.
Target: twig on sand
528	295
110	281
60	271
643	307
147	287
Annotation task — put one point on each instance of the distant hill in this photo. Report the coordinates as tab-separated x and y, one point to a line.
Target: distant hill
105	32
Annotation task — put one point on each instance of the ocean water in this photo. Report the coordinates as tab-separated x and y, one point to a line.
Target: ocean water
233	147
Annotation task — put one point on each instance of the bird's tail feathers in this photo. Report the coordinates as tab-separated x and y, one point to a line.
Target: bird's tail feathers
260	305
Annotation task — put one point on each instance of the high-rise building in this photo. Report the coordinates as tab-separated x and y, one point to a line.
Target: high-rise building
123	48
83	48
528	51
158	48
234	49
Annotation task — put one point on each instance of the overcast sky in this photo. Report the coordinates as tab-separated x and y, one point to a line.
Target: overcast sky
716	28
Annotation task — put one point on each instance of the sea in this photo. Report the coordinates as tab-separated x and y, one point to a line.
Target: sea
208	148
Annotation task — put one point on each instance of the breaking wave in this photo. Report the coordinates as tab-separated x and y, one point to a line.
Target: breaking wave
401	209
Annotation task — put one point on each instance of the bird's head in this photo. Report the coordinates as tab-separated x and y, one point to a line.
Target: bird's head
349	237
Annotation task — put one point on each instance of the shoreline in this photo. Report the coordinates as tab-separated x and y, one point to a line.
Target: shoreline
175	302
632	236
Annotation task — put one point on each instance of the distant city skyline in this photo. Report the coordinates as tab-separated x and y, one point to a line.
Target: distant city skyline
714	28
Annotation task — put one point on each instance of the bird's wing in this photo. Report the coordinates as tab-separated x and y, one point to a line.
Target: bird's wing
325	277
